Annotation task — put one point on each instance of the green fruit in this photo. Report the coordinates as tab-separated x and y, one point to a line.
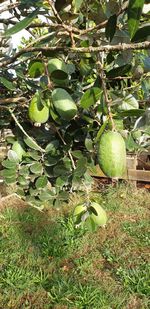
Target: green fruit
98	214
58	69
38	109
19	150
64	104
112	154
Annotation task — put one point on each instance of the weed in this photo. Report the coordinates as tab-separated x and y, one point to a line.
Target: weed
137	279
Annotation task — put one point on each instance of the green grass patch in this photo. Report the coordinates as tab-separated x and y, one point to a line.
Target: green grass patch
46	262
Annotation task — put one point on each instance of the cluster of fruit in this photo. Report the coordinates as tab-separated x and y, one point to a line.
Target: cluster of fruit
62	102
111	150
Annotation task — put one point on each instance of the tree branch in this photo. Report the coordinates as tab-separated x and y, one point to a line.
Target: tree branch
90	49
12	100
9	6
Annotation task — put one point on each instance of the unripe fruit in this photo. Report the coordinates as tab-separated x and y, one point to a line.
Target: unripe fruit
57	68
98	214
19	150
38	110
112	154
64	104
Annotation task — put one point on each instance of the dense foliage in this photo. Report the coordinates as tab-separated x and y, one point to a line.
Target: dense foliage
84	69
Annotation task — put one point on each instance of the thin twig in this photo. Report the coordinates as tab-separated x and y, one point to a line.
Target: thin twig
55	11
103	81
12	100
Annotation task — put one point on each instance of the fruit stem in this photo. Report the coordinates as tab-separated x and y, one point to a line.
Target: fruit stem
103	81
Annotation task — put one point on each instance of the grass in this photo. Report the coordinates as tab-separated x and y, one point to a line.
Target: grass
45	262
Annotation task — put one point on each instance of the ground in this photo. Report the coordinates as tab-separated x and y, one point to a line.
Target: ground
45	262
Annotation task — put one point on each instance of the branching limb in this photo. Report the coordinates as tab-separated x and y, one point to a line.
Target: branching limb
90	49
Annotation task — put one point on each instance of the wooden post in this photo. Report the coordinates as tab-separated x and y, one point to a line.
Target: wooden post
131	165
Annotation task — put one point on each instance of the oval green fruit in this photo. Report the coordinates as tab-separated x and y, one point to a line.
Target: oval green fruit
64	104
57	68
38	110
112	154
19	150
98	214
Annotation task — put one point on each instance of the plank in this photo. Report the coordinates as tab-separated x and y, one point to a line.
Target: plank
132	174
140	175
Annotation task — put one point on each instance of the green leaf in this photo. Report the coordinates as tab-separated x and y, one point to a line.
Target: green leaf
9	180
77	154
62	181
85	67
36	69
142	33
60	170
134	13
41	182
77	4
132	113
130	143
9	164
46	195
22	181
22	24
52	148
31	143
119	71
90	97
12	156
81	167
90	224
128	103
63	196
89	143
111	27
51	161
9	85
9	173
24	170
36	168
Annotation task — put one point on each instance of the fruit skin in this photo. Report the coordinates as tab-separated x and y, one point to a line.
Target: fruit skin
57	67
112	154
37	111
19	150
100	218
64	104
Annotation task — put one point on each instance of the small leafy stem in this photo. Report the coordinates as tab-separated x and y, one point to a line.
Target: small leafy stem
24	132
63	141
103	81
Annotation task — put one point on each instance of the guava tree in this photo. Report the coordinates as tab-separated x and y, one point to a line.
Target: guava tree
83	70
